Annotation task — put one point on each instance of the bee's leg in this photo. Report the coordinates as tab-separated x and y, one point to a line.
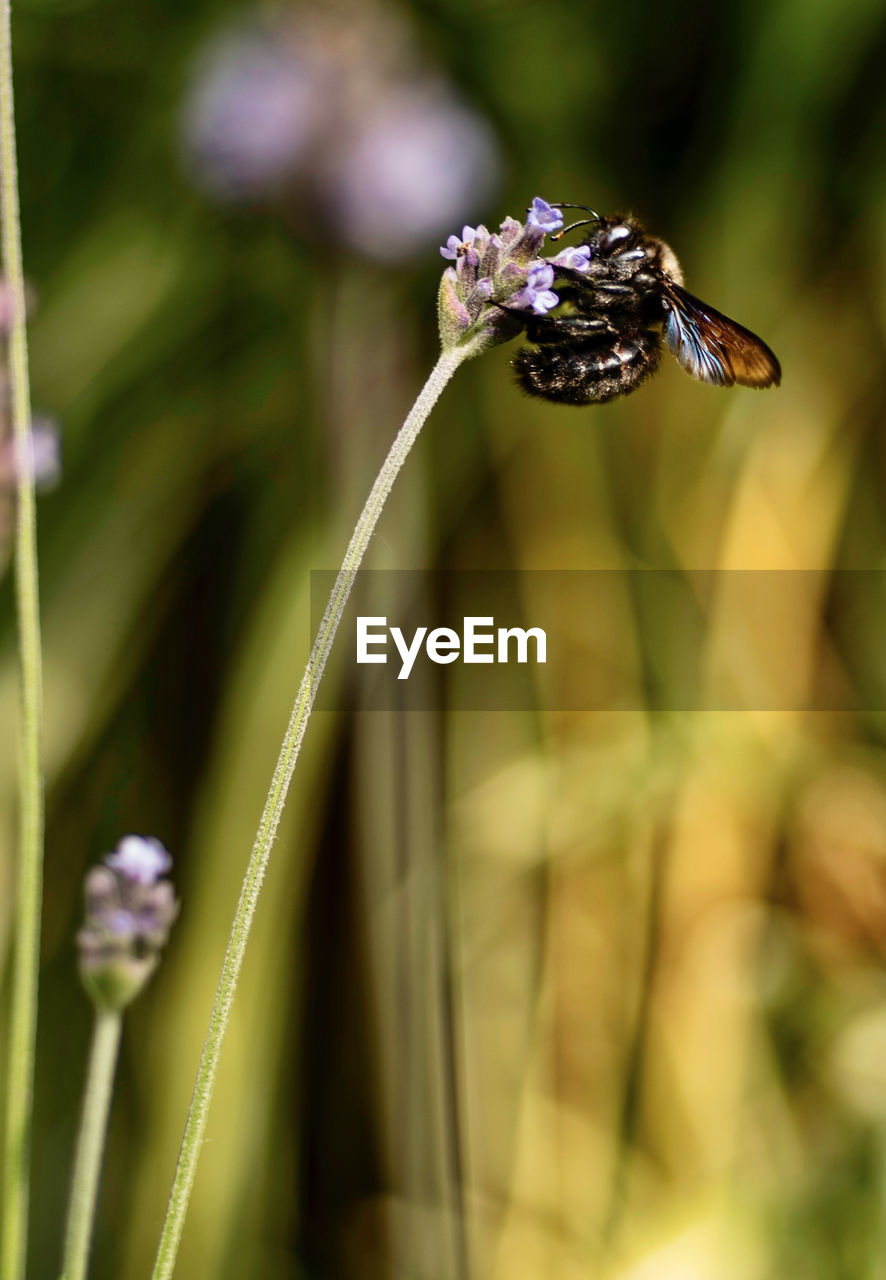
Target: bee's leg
552	329
571	293
541	329
580	278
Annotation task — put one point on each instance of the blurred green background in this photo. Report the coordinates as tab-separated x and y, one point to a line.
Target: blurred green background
531	996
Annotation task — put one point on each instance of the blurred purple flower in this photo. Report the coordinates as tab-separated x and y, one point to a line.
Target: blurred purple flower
139	858
251	113
122	924
416	162
43	456
341	125
7	309
129	912
7	306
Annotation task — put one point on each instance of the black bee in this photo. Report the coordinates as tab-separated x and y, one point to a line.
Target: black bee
630	298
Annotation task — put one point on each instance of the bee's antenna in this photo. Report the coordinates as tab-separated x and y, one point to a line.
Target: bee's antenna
583	222
562	204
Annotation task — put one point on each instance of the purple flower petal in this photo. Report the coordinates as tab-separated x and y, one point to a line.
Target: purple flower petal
544	215
540	276
122	924
42	455
537	295
577	257
543	302
139	858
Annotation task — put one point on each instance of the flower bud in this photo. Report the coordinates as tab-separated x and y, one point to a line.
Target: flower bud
129	912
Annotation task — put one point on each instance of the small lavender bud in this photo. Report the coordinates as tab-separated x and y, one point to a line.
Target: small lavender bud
454	317
129	912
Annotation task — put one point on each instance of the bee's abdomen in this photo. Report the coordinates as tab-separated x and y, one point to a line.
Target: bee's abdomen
586	371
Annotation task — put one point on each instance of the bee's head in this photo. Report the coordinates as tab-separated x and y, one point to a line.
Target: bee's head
614	235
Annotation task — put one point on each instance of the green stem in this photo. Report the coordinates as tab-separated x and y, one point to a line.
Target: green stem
23	1014
91	1141
195	1126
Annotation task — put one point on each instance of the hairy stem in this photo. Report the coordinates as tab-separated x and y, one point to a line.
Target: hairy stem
23	1014
270	820
91	1142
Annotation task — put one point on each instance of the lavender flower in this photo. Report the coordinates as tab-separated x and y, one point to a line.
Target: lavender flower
250	115
410	168
456	248
140	859
42	459
339	126
497	274
543	215
537	295
7	306
577	257
129	912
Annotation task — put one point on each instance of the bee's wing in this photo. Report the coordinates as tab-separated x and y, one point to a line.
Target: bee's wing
714	348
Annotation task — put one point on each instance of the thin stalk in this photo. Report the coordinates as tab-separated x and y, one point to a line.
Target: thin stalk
23	1004
195	1126
91	1142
